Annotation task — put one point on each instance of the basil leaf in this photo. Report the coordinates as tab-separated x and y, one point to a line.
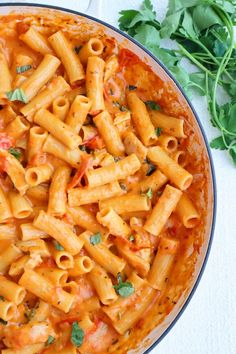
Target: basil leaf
77	334
124	289
152	105
16	153
158	131
58	246
23	68
50	340
17	95
131	238
149	193
95	239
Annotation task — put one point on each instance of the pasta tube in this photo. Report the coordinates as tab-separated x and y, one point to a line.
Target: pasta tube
165	205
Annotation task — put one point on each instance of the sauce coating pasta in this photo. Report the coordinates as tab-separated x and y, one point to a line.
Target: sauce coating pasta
100	226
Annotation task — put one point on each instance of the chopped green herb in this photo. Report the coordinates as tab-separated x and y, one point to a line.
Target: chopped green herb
3	322
77	334
132	88
58	246
2	298
149	193
23	68
152	105
151	169
204	32
17	95
50	340
95	239
158	131
77	49
15	152
124	289
131	238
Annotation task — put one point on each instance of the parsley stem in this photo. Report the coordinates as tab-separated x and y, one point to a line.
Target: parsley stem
195	61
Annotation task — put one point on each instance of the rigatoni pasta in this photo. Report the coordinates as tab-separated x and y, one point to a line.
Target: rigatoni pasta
96	213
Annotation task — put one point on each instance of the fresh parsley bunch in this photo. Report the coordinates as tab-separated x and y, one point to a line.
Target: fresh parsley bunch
203	30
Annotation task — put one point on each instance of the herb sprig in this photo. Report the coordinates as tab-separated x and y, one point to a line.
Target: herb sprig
124	289
203	30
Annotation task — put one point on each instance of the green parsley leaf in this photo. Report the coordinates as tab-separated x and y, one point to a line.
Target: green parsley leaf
218	143
23	68
124	289
132	87
82	147
95	239
50	340
16	153
3	322
151	169
58	246
2	298
158	131
77	334
149	193
131	238
17	95
152	105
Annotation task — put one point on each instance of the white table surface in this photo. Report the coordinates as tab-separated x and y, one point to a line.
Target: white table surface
208	325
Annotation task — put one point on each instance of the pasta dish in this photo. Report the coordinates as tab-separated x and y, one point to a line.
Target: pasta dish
102	195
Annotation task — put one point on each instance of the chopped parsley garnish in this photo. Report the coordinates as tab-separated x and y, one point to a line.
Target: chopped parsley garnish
17	95
158	131
152	105
77	334
58	246
132	88
124	289
149	193
16	153
23	68
95	239
3	322
131	238
77	49
50	340
151	169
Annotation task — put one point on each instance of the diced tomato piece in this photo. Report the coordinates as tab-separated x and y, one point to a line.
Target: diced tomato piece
86	162
6	141
22	27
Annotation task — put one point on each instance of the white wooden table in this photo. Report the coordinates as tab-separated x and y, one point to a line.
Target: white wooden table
208	325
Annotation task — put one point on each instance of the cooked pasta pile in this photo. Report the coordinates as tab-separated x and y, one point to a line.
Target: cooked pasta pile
94	188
